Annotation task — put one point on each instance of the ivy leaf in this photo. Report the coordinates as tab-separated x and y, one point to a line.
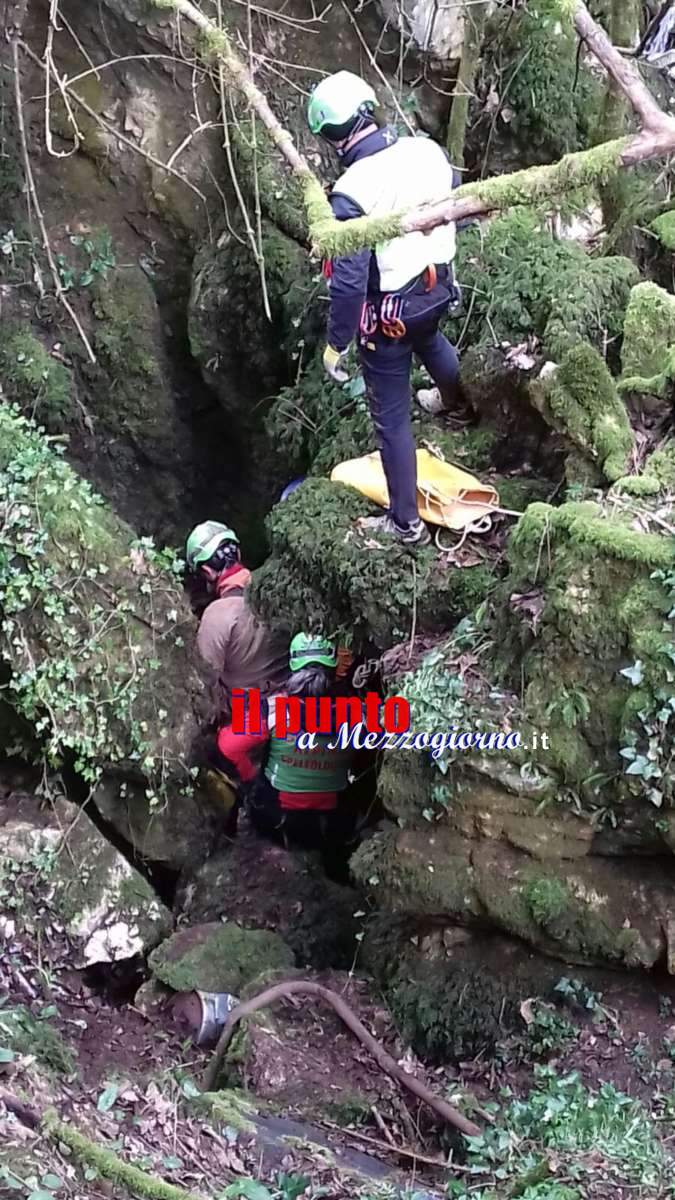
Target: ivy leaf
247	1189
635	673
6	1055
638	767
10	1181
40	1194
171	1162
107	1098
355	387
51	1181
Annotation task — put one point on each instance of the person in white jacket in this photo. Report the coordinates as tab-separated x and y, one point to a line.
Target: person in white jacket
391	298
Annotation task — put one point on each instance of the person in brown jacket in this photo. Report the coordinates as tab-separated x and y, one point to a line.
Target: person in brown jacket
236	649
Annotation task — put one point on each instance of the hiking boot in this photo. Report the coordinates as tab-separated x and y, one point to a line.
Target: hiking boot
430	400
414	534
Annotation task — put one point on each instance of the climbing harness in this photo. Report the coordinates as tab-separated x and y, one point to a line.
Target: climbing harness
430	278
369	317
391	321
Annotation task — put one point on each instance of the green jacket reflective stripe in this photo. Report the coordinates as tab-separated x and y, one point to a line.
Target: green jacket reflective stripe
320	770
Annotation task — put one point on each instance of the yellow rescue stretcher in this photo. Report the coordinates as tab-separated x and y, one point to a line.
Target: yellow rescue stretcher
446	495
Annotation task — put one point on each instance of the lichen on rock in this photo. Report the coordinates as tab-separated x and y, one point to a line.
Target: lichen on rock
107	909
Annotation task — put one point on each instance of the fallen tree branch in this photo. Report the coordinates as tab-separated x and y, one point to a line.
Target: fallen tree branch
333	238
384	1060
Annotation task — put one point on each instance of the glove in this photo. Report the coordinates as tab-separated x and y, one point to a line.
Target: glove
331	364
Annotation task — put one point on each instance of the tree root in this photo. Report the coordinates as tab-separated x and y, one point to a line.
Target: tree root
384	1060
106	1162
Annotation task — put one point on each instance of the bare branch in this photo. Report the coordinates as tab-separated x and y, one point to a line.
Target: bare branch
385	1062
623	71
35	201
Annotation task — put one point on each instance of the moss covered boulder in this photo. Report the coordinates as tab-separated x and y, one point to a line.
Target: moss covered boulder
230	334
325	573
582	403
657	475
258	884
583	910
561	838
541	285
601	582
106	909
648	356
96	637
218	958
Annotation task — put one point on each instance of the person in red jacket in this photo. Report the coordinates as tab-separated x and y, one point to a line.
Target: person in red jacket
236	650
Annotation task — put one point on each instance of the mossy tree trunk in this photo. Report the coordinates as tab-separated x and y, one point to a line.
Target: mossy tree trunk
459	112
332	238
623	25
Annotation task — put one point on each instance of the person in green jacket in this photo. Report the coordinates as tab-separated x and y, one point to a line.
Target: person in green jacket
299	795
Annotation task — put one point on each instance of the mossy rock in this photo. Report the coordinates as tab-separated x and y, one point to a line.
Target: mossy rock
106	909
29	1034
648	354
664	228
453	994
419	873
583	404
324	574
587	910
600	608
230	334
658	474
256	883
594	910
218	958
554	97
95	626
529	282
474	804
41	386
185	831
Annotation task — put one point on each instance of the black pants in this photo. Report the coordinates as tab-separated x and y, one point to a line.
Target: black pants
386	365
333	833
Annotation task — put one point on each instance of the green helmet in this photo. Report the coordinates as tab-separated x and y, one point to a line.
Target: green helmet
337	103
205	540
311	648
